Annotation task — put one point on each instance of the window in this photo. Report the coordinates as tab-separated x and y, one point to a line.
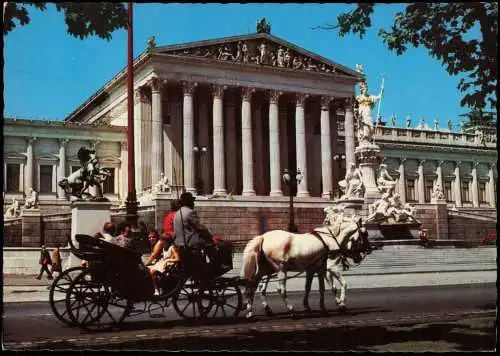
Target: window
410	190
465	192
167	120
447	191
482	192
108	186
429	184
13	171
45	179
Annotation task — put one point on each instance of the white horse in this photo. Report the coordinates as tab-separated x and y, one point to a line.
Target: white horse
280	251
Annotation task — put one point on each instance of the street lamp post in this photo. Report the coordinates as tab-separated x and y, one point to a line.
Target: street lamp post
292	182
202	151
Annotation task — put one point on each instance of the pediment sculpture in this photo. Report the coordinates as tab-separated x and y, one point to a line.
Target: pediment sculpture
258	51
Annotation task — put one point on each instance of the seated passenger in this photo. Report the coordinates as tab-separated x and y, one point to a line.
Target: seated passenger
189	231
164	266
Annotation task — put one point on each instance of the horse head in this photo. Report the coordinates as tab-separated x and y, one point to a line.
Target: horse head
357	245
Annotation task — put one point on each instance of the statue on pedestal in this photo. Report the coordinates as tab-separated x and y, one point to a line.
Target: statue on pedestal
31	201
91	173
352	185
13	211
365	105
437	192
385	182
163	185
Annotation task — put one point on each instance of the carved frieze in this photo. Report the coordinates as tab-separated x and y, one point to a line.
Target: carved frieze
258	51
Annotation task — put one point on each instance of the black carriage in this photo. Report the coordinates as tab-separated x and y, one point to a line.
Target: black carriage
116	284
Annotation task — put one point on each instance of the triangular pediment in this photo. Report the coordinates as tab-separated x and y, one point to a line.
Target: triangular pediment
261	49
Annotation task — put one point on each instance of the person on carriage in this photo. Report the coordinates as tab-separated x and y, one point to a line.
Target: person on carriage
164	265
189	231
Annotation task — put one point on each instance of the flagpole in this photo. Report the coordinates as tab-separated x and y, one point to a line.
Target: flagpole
131	203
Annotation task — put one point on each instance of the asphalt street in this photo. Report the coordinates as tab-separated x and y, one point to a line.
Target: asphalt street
429	314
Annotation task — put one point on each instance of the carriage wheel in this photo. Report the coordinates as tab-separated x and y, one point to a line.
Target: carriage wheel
58	291
227	300
192	301
92	306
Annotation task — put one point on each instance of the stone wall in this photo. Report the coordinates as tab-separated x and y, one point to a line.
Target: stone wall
470	229
12	233
56	229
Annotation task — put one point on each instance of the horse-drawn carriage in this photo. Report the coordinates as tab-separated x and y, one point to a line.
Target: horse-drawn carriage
116	284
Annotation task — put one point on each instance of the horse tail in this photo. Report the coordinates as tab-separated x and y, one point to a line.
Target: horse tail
250	266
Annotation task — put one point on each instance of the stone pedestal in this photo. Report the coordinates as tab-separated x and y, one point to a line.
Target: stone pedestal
87	218
352	206
32	234
441	219
368	156
402	231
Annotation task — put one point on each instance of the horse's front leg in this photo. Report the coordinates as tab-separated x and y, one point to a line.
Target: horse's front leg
282	291
321	281
343	286
248	293
263	296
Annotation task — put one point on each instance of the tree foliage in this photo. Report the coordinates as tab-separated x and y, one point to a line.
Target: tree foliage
446	30
82	19
478	117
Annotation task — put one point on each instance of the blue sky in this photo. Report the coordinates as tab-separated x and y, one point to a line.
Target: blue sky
48	73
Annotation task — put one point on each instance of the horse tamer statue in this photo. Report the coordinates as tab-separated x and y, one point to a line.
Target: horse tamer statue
90	174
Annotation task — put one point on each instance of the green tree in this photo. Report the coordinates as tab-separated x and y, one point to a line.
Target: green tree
82	19
479	117
446	30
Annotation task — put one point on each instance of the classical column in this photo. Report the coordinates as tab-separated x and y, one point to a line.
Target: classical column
188	139
475	192
246	141
349	133
458	194
274	145
402	180
491	185
156	85
140	98
421	183
30	162
439	173
61	169
326	148
300	139
123	170
218	140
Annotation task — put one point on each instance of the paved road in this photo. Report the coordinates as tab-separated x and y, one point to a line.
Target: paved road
374	318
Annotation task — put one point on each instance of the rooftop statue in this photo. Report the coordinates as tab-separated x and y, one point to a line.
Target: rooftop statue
13	211
263	26
393	120
352	185
450	125
408	121
31	201
90	174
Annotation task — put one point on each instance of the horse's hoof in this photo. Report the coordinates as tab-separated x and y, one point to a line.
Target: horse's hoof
324	312
250	317
342	308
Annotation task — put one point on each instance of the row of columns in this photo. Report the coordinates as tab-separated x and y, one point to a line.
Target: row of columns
246	139
456	185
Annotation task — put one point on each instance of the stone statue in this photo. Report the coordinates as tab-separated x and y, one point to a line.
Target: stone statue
393	120
263	54
408	121
378	209
163	185
421	125
91	173
297	63
352	185
31	201
436	125
263	26
399	211
13	211
450	125
437	192
151	42
385	182
287	61
280	57
224	54
359	68
365	105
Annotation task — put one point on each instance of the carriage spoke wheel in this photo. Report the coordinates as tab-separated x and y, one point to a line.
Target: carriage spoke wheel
227	300
58	291
192	301
92	306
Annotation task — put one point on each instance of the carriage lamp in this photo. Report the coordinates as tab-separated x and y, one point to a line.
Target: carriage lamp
292	182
